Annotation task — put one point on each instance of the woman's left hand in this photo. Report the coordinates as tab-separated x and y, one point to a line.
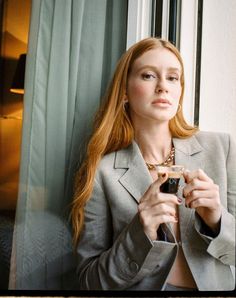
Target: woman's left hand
202	194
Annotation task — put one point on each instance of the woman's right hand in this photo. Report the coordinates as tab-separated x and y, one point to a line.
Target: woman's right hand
156	207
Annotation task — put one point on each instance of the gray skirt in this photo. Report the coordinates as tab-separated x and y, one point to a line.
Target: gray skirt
169	287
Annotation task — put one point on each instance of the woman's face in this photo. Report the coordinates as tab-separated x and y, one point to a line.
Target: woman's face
154	87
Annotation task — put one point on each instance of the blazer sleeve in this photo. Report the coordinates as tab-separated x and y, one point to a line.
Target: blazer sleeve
105	263
222	247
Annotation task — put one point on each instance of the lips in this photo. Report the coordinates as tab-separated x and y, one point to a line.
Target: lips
161	100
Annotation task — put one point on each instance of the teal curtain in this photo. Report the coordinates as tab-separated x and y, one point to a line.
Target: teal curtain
73	48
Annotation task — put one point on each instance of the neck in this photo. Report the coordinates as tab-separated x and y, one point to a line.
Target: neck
155	144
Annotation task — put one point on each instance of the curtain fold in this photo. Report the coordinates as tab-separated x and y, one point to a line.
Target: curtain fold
73	48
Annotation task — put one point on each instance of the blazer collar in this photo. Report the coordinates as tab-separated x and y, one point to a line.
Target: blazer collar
137	178
188	146
188	152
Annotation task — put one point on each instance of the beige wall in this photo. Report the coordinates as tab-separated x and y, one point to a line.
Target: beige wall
218	80
14	42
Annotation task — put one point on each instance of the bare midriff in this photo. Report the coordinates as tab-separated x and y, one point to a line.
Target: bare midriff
180	274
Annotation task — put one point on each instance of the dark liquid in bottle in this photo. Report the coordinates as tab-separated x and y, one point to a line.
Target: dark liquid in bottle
170	185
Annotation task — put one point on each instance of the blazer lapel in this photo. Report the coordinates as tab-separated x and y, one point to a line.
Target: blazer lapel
137	178
188	152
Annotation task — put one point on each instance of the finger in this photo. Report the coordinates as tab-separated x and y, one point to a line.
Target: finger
158	198
211	192
205	202
161	179
200	174
166	218
154	188
197	194
195	184
157	209
155	220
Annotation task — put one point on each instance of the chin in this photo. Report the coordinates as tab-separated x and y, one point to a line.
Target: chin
164	117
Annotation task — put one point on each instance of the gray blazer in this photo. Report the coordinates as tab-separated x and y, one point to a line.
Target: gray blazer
115	254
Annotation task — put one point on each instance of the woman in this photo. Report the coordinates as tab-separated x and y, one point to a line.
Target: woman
129	235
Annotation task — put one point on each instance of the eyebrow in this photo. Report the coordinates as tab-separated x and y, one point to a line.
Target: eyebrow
154	68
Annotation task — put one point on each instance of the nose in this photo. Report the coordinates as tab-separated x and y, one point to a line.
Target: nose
161	86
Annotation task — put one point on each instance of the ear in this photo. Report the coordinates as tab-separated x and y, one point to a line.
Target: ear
125	99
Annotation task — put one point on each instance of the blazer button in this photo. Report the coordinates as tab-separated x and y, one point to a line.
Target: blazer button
133	266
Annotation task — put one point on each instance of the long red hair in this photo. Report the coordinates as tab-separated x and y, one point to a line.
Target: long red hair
113	129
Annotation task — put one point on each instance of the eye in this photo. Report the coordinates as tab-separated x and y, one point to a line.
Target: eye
148	76
173	78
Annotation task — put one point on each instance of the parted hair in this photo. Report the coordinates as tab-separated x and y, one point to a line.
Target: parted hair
113	128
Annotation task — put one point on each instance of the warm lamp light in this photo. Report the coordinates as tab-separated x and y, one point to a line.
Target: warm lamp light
19	76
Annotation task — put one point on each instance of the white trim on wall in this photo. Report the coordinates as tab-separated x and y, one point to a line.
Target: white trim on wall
165	19
139	21
188	41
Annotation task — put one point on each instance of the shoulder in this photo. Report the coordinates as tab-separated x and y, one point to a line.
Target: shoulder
111	163
120	158
105	168
208	142
214	141
204	141
207	136
107	162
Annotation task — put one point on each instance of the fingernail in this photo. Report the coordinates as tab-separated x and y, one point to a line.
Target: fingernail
179	200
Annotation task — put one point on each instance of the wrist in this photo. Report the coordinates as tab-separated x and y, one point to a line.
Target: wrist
152	235
211	229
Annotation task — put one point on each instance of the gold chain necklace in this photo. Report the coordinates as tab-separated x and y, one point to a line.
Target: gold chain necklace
167	162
